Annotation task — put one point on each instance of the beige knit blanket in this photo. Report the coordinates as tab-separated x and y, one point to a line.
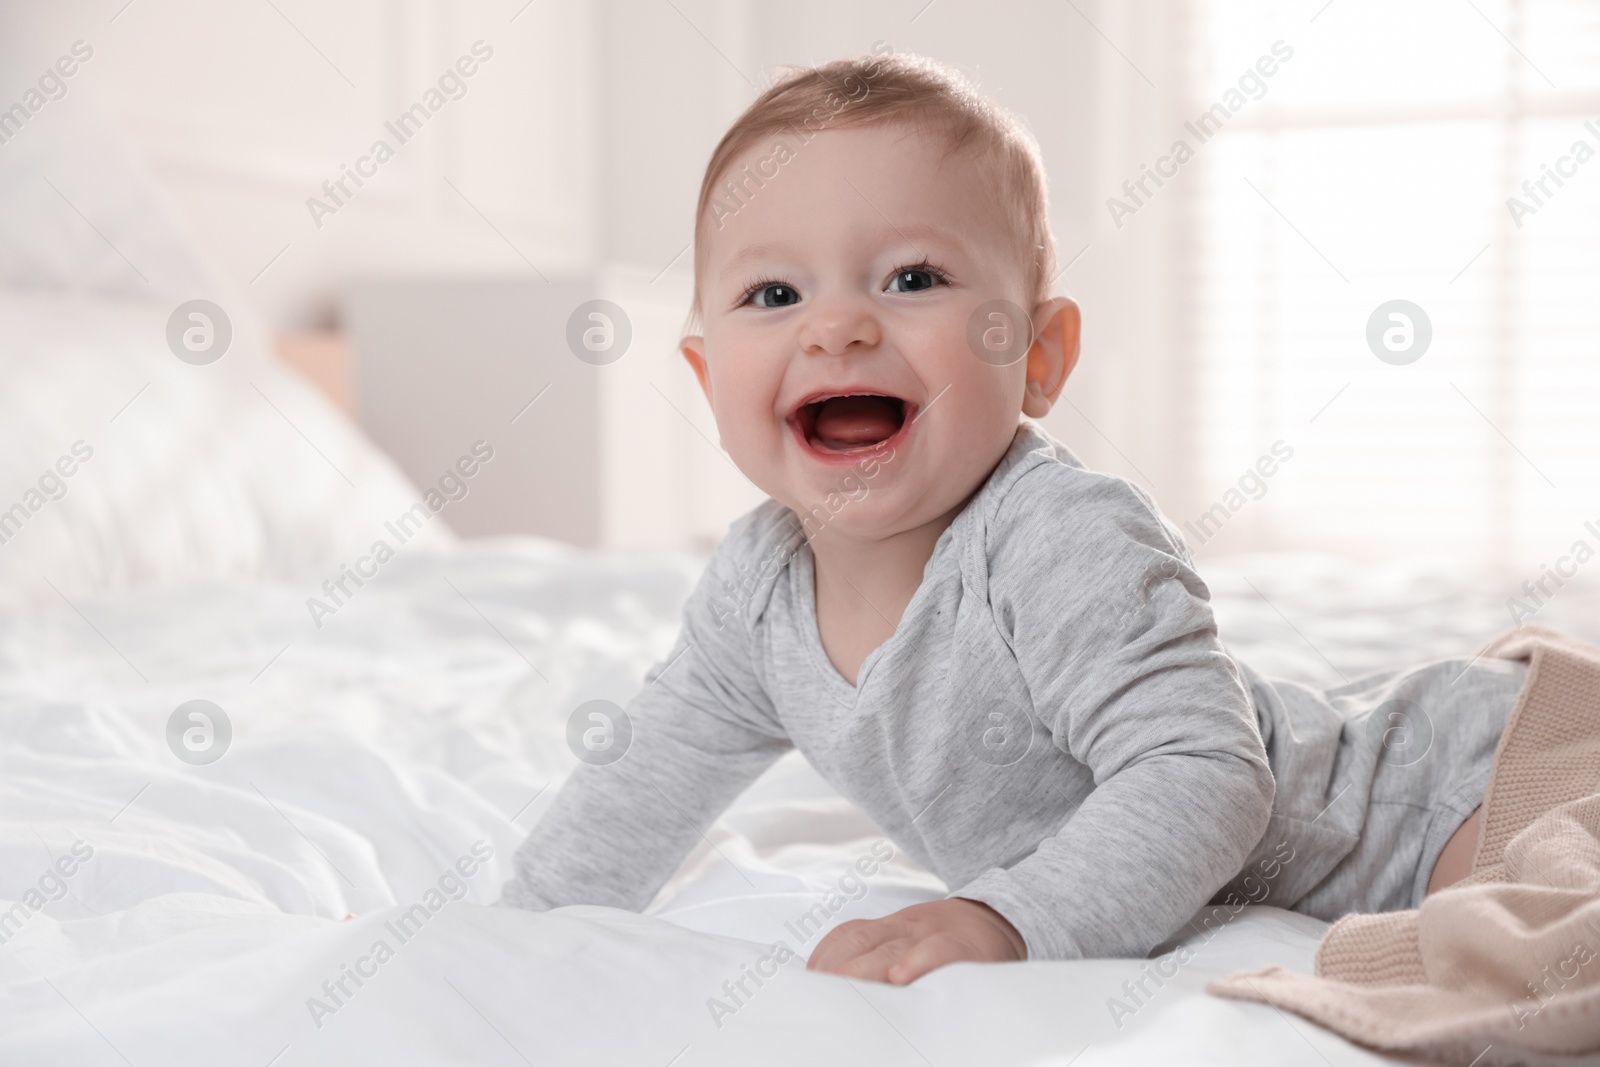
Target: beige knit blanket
1503	967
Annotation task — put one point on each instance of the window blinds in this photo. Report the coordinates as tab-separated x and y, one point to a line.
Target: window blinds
1442	153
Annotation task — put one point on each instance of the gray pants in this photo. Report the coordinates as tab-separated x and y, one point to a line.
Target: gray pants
1373	778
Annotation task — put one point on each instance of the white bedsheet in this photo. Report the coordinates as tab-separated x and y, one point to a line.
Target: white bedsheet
429	714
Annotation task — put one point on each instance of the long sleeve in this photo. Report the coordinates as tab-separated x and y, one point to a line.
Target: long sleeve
702	729
1114	635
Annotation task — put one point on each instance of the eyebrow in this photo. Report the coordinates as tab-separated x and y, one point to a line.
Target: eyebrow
909	233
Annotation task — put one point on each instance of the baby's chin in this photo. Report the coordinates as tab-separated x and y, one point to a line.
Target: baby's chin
869	510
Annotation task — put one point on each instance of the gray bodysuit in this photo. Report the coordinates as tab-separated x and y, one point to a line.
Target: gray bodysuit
1054	729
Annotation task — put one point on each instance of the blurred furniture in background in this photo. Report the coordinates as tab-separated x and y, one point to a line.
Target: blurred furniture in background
323	356
609	446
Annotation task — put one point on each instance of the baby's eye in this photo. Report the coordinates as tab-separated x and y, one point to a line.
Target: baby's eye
912	280
774	295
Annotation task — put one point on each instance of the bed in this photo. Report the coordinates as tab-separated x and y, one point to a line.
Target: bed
378	766
430	718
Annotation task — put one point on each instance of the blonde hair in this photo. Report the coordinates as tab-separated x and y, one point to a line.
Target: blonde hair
881	89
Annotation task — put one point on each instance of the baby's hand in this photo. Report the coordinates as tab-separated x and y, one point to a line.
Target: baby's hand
902	947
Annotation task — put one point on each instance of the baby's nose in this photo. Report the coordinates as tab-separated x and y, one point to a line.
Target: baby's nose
839	327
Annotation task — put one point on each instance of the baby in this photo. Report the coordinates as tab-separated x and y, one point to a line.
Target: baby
1006	660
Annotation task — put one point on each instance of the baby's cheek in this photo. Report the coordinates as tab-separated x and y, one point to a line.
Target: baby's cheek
754	441
747	431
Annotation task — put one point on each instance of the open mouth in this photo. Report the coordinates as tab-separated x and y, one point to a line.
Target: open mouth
852	425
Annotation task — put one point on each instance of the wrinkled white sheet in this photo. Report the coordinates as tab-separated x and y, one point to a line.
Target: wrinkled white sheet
429	714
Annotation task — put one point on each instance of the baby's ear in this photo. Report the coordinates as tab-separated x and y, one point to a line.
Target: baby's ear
1057	327
693	348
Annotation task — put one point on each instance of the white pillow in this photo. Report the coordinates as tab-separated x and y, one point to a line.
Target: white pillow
233	470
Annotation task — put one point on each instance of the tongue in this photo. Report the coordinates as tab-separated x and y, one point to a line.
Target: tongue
853	421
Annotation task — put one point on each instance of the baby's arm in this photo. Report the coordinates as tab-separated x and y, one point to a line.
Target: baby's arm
702	730
1115	636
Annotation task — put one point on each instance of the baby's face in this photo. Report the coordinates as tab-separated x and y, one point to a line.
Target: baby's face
835	304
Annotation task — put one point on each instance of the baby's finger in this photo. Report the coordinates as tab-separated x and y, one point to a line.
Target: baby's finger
874	966
849	940
924	955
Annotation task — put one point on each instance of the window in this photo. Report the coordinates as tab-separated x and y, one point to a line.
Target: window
1386	160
